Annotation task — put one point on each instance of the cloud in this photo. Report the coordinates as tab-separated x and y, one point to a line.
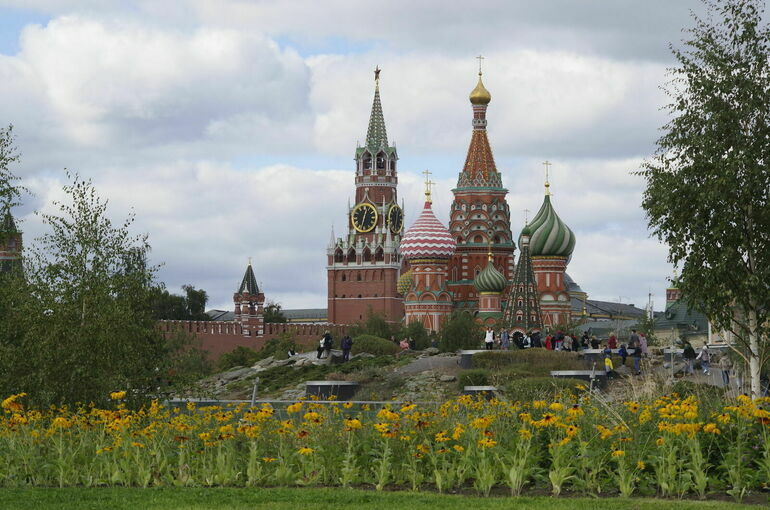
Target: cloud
229	144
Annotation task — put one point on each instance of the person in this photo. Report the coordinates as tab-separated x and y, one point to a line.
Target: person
411	342
321	346
623	353
637	355
393	339
594	342
558	341
689	356
567	344
535	339
575	343
725	365
404	347
585	340
505	340
612	343
633	340
328	344
643	345
292	352
608	363
705	359
527	342
346	343
548	344
489	338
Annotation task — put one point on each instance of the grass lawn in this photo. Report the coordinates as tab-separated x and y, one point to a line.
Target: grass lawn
308	499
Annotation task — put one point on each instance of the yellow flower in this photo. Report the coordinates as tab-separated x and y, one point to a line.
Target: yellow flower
190	405
645	416
294	408
723	418
571	430
313	417
481	423
556	406
441	437
352	424
575	411
640	465
458	448
205	436
660	441
487	442
305	451
604	432
565	441
711	428
408	408
618	453
422	448
525	433
458	432
539	404
387	414
268	459
137	445
61	422
347	405
118	395
10	403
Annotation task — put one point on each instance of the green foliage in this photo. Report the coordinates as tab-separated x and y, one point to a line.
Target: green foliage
239	357
273	313
187	361
10	189
474	377
706	194
541	388
374	325
276	378
646	325
417	332
460	332
80	323
191	306
373	345
537	362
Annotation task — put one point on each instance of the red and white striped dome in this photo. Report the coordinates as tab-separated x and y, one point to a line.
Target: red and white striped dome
427	238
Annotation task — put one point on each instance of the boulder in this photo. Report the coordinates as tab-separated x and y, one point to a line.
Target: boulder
239	373
431	351
447	378
264	362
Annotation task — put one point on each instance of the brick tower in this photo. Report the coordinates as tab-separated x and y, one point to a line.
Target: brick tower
249	305
427	246
10	243
551	247
363	267
479	217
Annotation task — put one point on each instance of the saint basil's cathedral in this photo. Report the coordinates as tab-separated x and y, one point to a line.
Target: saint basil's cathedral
431	271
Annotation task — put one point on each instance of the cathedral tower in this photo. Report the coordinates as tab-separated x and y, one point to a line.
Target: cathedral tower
522	312
249	305
10	243
551	247
363	266
479	216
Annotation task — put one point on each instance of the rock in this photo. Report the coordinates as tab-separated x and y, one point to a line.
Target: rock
264	363
239	373
447	378
431	351
282	362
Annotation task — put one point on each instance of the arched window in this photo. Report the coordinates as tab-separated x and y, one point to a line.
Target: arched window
338	255
367	255
352	255
344	277
358	277
518	318
478	239
379	254
520	303
359	295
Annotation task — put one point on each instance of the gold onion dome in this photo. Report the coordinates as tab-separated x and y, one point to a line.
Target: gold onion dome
405	283
480	95
490	280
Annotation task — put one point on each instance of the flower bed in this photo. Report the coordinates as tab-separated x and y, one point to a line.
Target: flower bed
671	447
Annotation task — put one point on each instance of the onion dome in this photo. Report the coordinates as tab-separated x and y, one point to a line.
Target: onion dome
550	237
427	238
490	280
480	95
405	282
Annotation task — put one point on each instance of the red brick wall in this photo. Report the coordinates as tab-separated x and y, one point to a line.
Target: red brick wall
219	337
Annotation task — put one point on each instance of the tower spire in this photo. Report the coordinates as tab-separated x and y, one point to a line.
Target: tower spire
376	136
428	184
547	164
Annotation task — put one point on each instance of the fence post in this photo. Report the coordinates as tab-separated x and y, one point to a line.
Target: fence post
254	392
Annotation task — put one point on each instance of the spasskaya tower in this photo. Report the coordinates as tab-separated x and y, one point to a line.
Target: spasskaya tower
363	266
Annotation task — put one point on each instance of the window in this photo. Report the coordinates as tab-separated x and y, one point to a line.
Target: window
344	277
358	277
478	239
367	256
338	255
379	255
359	296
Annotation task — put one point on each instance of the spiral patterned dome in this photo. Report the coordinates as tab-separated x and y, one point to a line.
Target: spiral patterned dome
550	236
490	280
405	282
427	238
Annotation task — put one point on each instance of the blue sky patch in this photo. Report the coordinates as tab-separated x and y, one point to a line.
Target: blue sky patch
12	21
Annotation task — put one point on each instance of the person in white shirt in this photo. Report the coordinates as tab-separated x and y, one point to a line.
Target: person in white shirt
489	339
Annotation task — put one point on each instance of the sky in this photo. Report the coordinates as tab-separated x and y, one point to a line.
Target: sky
229	128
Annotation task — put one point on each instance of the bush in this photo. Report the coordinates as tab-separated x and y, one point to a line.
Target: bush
537	362
278	347
374	325
373	345
474	377
238	357
460	332
541	388
417	332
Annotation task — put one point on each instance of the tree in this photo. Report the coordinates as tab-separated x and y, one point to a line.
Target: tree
272	312
81	323
461	331
375	325
10	189
195	301
191	306
708	184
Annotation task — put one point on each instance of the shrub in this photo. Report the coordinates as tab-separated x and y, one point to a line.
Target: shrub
538	362
238	357
417	332
460	332
474	377
278	347
373	345
540	388
374	325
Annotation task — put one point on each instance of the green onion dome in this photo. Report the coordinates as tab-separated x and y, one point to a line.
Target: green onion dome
550	236
405	283
490	280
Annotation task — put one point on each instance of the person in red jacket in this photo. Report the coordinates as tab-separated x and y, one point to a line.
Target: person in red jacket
612	343
548	344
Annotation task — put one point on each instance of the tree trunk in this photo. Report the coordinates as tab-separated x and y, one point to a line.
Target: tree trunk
754	355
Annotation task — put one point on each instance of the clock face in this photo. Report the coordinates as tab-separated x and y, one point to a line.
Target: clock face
364	217
395	219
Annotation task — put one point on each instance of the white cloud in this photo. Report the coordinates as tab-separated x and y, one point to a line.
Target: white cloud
229	145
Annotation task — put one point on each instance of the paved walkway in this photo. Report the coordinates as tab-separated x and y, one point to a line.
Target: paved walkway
443	364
